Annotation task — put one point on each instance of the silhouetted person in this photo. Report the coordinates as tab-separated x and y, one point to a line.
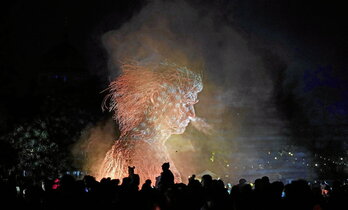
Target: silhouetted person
192	178
275	195
146	186
148	195
241	183
167	178
195	193
134	179
206	181
298	196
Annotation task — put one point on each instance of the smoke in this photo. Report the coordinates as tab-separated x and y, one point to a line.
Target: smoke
237	100
94	142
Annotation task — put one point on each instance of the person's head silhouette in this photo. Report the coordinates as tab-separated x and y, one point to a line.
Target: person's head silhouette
131	170
165	166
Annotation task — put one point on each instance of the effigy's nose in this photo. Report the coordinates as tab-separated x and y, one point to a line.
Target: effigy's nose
191	113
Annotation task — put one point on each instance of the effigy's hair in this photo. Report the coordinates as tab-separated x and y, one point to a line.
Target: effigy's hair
130	94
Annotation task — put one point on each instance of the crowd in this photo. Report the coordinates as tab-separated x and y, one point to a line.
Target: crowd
205	194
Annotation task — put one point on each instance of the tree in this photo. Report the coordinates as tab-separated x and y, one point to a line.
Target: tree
37	155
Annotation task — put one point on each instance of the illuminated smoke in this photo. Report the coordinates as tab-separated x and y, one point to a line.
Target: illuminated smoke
150	103
201	125
242	128
93	144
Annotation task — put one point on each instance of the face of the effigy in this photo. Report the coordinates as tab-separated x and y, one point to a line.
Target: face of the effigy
182	112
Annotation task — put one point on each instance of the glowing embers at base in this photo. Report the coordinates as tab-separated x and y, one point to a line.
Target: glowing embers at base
150	104
147	159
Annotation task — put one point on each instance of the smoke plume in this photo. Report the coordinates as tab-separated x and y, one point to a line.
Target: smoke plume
238	95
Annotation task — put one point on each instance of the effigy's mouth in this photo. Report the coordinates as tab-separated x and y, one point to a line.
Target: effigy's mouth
182	125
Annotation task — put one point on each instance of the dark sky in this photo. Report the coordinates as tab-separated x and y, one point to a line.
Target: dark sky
30	29
33	34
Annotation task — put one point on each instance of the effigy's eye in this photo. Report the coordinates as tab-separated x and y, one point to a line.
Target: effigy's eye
192	102
187	105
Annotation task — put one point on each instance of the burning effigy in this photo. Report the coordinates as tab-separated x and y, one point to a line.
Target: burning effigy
150	103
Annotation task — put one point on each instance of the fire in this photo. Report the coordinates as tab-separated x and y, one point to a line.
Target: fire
150	103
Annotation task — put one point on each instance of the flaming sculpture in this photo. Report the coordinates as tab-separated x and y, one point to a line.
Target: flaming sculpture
150	103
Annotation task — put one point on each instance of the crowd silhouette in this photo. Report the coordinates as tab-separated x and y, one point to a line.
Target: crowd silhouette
207	193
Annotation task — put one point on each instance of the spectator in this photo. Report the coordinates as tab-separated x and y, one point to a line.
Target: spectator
167	178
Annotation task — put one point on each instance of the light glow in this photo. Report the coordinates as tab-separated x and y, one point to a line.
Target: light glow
150	103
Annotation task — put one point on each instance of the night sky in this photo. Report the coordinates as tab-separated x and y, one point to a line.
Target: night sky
54	62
